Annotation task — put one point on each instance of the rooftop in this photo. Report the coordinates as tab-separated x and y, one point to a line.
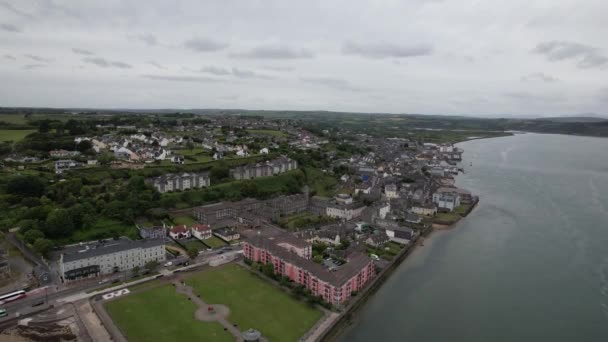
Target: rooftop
103	247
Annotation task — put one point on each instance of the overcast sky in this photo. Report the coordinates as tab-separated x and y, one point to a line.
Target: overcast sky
484	57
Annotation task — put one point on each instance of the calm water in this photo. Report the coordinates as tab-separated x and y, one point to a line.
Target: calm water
529	264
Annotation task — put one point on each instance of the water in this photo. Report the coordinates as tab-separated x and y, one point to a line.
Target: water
530	263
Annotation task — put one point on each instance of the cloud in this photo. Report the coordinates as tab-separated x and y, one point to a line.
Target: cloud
334	83
216	70
540	77
33	66
236	72
10	57
534	98
10	28
385	50
104	63
16	11
38	58
178	78
204	45
586	56
278	68
158	65
147	38
82	52
275	52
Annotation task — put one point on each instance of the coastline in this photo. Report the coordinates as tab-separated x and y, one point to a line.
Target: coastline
347	318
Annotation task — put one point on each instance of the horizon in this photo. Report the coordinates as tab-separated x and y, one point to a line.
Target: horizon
488	59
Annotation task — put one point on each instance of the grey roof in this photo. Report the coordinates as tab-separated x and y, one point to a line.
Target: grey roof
92	249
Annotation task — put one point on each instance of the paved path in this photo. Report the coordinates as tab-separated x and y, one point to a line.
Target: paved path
320	327
202	313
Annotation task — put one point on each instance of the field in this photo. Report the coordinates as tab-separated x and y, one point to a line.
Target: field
14	135
321	183
161	314
186	219
255	303
194	243
214	242
272	132
448	217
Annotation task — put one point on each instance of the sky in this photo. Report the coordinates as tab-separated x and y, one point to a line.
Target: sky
454	57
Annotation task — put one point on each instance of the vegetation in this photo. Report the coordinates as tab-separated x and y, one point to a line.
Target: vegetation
161	314
14	135
214	242
255	303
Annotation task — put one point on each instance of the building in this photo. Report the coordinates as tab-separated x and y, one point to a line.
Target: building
92	259
288	205
345	211
179	232
424	209
334	285
446	198
227	234
377	240
201	231
363	188
213	213
65	164
269	168
183	181
63	153
156	232
390	190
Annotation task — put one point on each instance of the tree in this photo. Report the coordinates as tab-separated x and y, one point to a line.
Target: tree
43	246
192	252
59	223
25	186
190	145
84	146
105	158
318	258
219	171
268	269
44	126
249	188
32	235
136	270
151	265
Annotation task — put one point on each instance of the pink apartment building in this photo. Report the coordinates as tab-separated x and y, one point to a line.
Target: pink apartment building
291	258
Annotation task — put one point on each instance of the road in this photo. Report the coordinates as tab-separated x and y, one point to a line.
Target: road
51	297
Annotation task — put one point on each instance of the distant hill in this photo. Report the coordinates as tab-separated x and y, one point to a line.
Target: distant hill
586	119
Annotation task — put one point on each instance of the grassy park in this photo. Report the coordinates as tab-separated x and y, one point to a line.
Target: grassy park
255	303
14	134
161	314
214	242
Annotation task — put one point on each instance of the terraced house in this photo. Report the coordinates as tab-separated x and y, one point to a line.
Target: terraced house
269	168
290	257
182	181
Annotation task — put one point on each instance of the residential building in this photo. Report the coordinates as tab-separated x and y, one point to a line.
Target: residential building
377	240
390	190
92	259
227	234
212	213
179	232
269	168
446	198
183	181
65	164
63	153
155	232
335	285
201	231
345	211
428	209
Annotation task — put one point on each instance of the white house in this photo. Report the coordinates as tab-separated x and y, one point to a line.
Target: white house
390	190
446	198
179	232
264	151
202	231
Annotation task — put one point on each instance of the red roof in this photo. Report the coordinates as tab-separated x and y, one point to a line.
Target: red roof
201	227
179	229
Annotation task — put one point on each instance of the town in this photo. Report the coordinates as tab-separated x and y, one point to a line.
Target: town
117	213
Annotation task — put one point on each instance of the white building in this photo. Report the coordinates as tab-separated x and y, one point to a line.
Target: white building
202	231
390	190
446	198
97	258
183	181
345	211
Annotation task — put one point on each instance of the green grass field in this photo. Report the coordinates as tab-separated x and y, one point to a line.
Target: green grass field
448	217
186	219
195	243
272	132
320	182
214	242
255	303
161	314
14	135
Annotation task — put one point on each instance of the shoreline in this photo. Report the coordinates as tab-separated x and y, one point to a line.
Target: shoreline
347	318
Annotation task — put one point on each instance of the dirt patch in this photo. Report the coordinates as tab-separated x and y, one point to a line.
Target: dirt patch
50	333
